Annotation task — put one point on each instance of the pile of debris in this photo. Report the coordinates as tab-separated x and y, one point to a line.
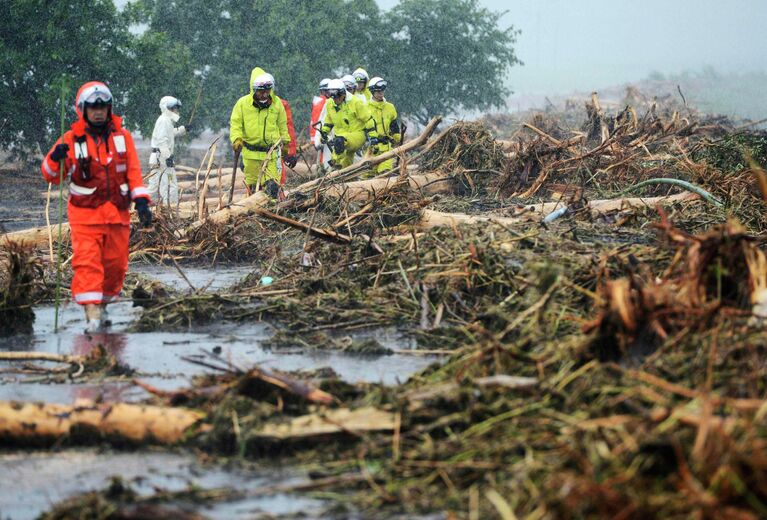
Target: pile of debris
605	352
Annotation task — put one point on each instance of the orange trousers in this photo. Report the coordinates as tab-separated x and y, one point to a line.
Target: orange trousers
100	261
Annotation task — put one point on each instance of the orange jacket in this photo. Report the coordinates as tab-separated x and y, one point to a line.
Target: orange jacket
318	103
291	128
104	183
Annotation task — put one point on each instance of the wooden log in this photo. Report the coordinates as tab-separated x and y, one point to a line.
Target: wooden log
330	422
429	183
39	356
430	218
39	422
38	236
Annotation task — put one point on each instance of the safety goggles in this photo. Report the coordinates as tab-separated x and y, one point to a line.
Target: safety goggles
263	86
95	95
380	86
175	105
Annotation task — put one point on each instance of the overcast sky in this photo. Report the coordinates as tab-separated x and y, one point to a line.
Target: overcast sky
571	45
584	44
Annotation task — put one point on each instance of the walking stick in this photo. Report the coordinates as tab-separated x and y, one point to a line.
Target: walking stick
61	214
234	175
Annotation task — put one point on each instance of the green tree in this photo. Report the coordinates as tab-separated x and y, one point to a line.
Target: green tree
446	56
155	67
299	42
44	43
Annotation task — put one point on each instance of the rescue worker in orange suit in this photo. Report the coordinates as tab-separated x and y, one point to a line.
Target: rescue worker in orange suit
104	171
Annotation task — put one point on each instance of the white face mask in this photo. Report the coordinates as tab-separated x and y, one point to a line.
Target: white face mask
174	116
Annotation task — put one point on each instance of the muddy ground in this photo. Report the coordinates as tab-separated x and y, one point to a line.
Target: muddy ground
500	327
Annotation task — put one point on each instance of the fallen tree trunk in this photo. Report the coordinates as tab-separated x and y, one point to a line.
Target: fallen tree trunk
429	183
35	236
430	218
43	423
39	356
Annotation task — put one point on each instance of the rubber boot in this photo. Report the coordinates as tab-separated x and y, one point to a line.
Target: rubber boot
272	189
92	317
105	321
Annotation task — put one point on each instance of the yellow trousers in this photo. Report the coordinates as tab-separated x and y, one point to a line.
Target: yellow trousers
386	165
253	171
354	142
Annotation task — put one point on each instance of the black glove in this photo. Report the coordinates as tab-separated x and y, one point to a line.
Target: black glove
291	161
374	141
144	213
339	145
169	162
59	152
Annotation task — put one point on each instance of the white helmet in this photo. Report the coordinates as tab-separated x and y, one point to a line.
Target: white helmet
349	81
169	102
336	86
324	83
274	84
263	82
360	75
377	83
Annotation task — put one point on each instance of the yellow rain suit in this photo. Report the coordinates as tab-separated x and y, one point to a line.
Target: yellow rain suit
259	129
351	120
388	129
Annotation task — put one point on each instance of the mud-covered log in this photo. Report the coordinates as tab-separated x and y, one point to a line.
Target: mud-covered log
39	423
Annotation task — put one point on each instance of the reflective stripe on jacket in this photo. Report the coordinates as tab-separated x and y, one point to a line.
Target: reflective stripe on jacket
105	173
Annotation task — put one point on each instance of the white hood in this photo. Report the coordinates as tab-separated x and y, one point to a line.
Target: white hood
167	101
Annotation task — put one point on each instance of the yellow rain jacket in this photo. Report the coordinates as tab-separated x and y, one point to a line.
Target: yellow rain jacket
384	114
259	129
352	121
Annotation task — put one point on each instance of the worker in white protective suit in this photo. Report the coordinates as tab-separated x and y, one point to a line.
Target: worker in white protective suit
162	180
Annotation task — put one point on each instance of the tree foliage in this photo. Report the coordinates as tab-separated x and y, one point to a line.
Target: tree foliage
440	56
446	56
46	43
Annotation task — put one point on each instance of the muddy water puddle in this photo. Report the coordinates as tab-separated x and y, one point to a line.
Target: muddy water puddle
33	482
156	357
201	277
